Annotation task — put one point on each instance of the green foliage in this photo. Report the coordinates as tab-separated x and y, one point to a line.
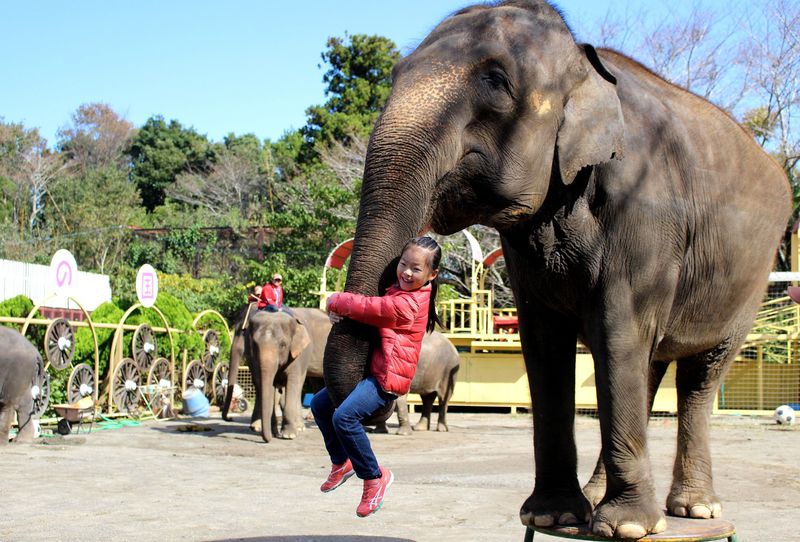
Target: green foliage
219	293
16	307
178	317
107	313
161	151
358	84
91	212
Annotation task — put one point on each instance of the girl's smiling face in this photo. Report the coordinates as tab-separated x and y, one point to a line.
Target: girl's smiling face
414	268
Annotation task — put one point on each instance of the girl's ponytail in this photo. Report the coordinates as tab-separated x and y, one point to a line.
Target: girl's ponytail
435	251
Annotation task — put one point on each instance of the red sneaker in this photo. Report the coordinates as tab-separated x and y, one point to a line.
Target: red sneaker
374	491
339	475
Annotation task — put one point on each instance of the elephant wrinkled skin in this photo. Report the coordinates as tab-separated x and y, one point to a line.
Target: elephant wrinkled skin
20	364
633	215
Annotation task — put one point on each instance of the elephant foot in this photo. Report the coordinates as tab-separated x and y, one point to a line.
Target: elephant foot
442	427
595	489
633	519
288	435
565	507
694	503
381	429
404	430
422	425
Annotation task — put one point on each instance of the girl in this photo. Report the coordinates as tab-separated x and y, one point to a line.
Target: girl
402	317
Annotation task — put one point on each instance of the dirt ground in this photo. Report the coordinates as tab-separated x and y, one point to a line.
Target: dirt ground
157	481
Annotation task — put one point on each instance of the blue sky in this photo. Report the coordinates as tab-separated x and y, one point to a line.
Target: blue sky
219	67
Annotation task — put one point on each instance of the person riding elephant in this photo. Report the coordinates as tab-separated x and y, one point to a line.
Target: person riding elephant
435	378
20	366
281	351
633	215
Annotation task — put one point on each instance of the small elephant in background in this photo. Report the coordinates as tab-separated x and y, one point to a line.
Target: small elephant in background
435	377
20	367
281	350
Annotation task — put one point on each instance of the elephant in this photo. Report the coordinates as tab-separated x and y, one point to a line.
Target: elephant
20	367
633	215
435	377
281	351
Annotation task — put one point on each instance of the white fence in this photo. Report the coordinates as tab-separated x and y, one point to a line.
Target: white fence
32	280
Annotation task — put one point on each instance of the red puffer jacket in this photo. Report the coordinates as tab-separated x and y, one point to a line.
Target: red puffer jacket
401	318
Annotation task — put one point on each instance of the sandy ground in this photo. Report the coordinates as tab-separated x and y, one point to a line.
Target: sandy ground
157	482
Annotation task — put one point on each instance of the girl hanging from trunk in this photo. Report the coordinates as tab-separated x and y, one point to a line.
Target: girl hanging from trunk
402	317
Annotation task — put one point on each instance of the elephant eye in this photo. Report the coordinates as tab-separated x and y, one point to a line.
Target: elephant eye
497	80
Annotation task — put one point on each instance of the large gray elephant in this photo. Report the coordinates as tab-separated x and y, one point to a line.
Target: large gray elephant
634	216
281	351
435	378
20	368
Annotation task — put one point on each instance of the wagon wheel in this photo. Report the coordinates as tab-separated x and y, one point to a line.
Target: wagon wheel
195	376
160	388
125	385
81	383
41	394
211	338
144	346
219	382
59	343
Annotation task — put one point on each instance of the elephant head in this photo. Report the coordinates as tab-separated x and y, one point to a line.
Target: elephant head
493	109
273	343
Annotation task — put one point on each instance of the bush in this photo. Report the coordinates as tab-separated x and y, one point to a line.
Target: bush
106	313
16	307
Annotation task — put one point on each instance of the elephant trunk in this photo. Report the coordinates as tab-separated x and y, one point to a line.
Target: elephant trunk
237	351
268	368
395	206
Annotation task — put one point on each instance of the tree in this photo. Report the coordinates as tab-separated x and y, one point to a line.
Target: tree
358	84
160	152
97	138
30	167
91	215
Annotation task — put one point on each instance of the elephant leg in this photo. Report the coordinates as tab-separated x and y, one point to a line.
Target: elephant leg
424	423
291	408
401	405
27	431
622	352
237	352
444	400
255	416
697	380
6	413
595	488
549	346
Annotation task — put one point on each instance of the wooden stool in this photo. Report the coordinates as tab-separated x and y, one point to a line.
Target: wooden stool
678	530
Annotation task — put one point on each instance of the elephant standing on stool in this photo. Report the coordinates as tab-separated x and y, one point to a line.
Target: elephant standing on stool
435	378
20	365
281	351
633	215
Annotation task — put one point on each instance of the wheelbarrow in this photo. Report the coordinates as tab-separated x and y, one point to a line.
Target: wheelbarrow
75	413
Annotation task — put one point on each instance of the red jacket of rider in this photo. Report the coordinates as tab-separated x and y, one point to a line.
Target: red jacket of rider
401	318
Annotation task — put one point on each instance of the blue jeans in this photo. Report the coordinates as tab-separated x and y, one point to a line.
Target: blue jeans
341	427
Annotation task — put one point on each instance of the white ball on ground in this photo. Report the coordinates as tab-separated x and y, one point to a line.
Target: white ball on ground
785	415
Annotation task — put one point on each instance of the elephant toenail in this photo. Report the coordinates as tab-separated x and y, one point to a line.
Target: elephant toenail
602	529
545	520
567	518
661	526
630	530
700	511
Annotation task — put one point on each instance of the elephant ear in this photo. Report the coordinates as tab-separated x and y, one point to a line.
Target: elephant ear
300	340
592	129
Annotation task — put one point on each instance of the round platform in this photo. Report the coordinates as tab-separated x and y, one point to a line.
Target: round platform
678	530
